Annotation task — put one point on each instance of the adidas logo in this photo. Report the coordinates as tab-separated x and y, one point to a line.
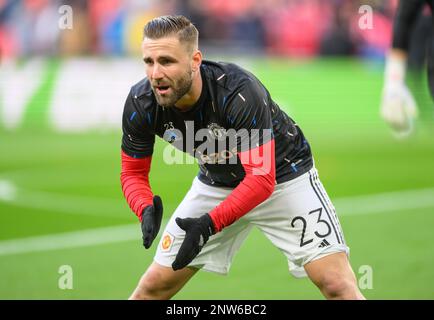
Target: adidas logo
323	244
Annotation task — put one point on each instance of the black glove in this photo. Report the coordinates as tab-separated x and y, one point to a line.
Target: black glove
151	221
197	233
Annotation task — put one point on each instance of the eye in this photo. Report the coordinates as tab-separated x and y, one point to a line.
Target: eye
148	62
165	62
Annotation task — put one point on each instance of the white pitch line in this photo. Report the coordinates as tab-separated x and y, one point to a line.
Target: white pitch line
71	204
347	206
75	239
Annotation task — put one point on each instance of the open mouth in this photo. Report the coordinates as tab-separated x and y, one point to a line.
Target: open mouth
162	89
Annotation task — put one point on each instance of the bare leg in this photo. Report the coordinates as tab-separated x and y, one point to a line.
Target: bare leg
160	283
334	277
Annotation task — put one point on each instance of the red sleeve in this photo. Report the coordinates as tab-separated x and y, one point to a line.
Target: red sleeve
256	187
135	182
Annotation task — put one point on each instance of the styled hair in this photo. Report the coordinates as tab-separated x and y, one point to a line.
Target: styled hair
178	25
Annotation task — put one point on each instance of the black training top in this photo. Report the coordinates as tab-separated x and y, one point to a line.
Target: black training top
232	99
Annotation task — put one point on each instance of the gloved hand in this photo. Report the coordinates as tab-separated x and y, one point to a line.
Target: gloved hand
197	233
151	221
398	107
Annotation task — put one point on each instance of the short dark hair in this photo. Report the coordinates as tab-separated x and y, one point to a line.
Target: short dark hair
178	25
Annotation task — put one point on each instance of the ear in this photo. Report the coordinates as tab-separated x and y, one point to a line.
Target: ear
196	60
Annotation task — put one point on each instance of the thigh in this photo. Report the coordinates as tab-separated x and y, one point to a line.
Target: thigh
301	221
217	254
336	265
334	276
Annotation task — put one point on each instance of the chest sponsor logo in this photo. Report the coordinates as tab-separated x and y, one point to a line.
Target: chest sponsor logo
171	134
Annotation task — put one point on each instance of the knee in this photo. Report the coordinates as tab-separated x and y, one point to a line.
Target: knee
152	286
334	285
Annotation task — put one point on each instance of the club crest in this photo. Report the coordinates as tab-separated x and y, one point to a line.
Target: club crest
217	132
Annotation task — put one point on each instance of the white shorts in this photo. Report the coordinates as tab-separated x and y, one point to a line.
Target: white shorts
298	218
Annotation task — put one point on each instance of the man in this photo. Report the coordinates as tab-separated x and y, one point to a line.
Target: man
266	178
398	107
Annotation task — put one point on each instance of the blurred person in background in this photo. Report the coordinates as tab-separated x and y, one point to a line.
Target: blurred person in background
398	107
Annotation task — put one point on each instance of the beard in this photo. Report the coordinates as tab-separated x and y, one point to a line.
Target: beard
177	89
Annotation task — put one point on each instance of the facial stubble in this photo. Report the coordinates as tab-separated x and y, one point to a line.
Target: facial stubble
179	89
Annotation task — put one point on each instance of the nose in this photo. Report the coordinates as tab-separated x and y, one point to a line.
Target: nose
156	72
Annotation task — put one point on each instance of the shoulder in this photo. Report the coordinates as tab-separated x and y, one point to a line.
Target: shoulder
141	89
228	75
141	95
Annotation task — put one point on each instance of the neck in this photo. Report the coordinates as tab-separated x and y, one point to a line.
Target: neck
191	97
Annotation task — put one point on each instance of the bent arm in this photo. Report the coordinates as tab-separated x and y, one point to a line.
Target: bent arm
256	187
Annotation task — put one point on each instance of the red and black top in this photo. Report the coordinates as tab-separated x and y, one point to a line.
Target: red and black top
238	134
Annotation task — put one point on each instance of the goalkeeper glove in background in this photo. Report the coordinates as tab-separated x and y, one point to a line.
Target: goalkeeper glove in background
398	107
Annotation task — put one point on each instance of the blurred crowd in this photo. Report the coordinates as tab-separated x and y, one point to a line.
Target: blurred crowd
280	27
